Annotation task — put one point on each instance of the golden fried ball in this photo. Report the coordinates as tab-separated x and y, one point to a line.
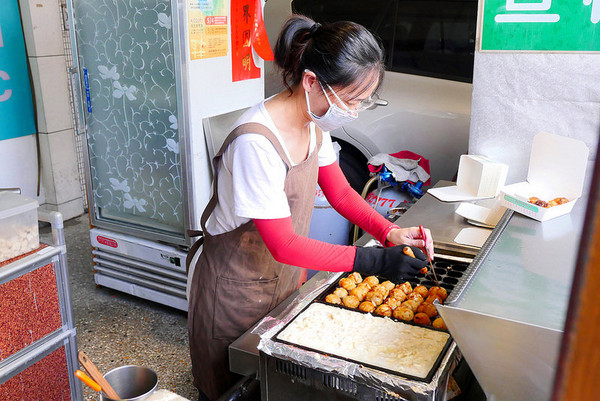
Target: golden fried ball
440	291
412	304
359	292
333	299
366	306
388	285
432	297
374	297
416	297
371	280
398	294
422	318
405	287
347	283
384	310
364	285
392	303
380	289
439	324
341	292
402	313
356	277
427	309
422	290
350	301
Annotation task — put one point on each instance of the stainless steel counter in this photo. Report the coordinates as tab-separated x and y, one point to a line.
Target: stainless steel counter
508	320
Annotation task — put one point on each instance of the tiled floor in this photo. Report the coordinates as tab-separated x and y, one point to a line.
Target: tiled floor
116	329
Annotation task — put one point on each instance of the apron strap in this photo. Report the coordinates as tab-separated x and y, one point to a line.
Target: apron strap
248	128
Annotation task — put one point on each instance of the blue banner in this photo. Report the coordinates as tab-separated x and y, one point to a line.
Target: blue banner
16	106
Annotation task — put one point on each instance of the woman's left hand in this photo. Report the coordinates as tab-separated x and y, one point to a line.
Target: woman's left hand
412	236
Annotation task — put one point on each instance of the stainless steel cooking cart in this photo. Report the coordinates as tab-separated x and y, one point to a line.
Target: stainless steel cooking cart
508	318
39	353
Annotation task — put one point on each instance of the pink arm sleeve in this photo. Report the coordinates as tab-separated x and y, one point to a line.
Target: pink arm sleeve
351	205
292	249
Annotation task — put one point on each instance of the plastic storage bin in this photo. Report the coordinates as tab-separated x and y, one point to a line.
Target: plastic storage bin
18	225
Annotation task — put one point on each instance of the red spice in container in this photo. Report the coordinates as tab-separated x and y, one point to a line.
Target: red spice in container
30	310
47	379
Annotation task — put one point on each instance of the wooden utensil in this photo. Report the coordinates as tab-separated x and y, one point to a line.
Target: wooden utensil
96	375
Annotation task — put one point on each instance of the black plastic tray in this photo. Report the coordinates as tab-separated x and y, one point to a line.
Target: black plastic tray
321	299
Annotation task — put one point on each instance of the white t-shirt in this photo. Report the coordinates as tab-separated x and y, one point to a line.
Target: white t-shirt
252	175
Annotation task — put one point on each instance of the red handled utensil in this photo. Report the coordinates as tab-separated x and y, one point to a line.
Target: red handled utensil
424	236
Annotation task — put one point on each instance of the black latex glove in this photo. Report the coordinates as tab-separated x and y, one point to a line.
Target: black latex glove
390	263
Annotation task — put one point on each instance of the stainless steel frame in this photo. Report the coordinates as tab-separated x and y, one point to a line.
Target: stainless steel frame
178	15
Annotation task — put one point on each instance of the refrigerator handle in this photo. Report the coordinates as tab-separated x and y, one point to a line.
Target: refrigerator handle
77	105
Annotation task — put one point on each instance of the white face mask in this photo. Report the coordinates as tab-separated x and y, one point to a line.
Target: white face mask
335	117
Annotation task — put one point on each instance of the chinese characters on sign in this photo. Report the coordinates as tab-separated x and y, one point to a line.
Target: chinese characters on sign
247	34
543	25
207	22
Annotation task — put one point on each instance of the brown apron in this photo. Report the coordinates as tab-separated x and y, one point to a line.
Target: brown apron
236	280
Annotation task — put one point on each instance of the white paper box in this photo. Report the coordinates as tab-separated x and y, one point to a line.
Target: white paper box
481	176
556	169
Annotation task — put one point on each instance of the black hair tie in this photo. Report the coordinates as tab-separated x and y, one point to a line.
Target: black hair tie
313	29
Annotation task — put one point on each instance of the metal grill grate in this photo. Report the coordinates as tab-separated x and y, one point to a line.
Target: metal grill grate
79	143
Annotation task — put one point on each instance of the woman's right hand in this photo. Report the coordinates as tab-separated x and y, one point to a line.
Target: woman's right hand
392	263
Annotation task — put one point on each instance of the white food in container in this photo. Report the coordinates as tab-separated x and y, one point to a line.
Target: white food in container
368	339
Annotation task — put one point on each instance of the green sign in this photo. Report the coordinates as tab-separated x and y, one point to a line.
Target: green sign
16	106
543	25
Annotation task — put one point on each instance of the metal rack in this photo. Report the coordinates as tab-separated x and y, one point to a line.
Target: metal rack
63	338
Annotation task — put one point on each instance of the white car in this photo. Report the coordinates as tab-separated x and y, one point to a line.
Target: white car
425	101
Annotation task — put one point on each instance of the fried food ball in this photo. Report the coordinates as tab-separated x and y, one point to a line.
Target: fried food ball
359	292
439	324
356	277
398	294
333	299
422	318
372	281
367	306
432	297
557	201
411	304
341	292
405	287
350	301
380	289
384	310
374	297
422	290
392	302
388	285
364	285
440	291
402	313
416	297
347	283
428	309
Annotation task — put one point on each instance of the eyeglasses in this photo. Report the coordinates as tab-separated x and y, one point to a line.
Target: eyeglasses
360	106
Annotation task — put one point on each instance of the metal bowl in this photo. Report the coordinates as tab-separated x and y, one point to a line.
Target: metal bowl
131	383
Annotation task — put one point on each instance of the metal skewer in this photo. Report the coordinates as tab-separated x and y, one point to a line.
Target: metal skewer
424	236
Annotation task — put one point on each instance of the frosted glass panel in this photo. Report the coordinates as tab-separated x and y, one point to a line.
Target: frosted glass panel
126	62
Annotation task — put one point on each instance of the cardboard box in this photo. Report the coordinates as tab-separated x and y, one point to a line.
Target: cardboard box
556	169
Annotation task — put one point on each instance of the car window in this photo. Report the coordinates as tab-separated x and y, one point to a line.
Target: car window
433	38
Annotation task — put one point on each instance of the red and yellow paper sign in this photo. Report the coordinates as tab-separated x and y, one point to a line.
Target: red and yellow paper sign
207	22
247	32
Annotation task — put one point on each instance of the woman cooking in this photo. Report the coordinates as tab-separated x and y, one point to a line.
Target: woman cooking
256	248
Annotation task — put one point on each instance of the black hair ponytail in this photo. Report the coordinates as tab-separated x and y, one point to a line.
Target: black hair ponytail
341	53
